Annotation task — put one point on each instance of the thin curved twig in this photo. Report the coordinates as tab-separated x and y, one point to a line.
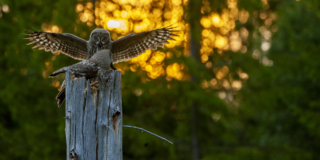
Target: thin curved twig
147	132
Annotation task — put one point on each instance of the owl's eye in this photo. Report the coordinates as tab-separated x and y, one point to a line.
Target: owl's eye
104	40
106	35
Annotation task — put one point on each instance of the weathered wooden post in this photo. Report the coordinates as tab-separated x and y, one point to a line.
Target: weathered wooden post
94	118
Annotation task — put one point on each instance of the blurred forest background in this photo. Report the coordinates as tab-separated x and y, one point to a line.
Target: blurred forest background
241	81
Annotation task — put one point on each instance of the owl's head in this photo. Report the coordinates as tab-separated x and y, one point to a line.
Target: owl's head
100	38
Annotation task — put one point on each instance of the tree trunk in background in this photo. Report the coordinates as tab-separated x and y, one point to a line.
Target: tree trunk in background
195	37
94	118
94	13
195	143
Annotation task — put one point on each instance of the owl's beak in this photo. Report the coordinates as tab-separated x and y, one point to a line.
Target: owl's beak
100	44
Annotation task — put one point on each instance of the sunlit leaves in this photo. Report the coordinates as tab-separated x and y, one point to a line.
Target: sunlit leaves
124	16
175	70
4	8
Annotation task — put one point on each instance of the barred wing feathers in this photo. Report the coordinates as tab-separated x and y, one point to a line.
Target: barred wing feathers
135	44
66	43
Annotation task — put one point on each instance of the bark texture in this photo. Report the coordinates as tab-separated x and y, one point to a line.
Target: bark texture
94	117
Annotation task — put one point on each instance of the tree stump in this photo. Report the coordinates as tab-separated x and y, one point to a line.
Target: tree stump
94	118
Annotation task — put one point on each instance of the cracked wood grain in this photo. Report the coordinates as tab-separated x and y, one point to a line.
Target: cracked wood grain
94	117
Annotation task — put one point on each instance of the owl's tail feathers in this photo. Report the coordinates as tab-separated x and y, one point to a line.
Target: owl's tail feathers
112	66
61	96
62	70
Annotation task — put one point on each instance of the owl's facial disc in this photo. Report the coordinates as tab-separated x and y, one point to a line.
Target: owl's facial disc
100	37
98	41
104	40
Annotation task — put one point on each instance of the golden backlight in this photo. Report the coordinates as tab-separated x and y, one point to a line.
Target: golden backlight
122	17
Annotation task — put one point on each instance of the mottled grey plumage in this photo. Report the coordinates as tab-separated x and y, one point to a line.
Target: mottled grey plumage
99	62
99	39
122	49
89	68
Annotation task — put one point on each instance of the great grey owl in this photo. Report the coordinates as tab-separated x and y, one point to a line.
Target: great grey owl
100	61
122	49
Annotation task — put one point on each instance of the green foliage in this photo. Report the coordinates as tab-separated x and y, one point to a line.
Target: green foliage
277	115
31	125
280	104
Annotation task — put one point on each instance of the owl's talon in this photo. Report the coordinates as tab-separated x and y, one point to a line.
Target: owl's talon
94	84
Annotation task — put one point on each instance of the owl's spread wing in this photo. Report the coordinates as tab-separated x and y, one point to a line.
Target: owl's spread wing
66	43
135	44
